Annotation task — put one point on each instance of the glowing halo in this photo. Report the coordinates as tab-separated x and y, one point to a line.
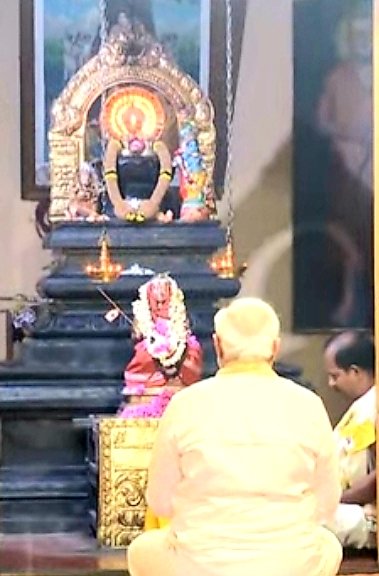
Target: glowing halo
133	112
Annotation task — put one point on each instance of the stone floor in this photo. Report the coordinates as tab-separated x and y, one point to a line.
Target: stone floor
58	554
360	563
78	555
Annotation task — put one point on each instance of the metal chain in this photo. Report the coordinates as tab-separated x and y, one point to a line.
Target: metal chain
103	142
103	22
103	39
229	118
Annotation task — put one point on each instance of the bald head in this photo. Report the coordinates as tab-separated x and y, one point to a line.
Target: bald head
247	329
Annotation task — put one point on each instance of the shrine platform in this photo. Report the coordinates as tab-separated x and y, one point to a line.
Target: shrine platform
71	365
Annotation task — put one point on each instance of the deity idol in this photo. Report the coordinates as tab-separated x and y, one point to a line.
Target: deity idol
167	356
189	160
137	163
84	202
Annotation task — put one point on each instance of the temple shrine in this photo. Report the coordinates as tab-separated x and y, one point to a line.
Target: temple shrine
130	299
141	260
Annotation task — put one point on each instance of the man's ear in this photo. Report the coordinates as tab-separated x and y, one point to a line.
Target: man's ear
354	368
218	349
275	348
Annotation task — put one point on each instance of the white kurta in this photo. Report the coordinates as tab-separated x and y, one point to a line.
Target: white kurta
245	466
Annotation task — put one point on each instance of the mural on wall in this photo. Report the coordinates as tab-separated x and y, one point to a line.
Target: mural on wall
333	179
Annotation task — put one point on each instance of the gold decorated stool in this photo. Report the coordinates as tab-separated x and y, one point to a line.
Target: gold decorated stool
122	452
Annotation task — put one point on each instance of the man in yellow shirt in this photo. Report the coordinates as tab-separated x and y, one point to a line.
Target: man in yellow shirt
244	466
350	364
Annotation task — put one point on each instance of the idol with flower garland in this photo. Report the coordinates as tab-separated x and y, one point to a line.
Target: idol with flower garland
192	175
137	163
167	356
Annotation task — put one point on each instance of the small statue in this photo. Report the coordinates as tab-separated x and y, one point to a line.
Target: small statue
193	175
122	29
85	199
167	356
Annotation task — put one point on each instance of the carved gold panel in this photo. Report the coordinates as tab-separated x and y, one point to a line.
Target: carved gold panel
124	455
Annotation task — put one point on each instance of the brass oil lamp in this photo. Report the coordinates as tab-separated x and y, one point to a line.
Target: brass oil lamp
224	264
105	270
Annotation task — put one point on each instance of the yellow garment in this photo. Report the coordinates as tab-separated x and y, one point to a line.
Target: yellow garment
354	435
151	553
244	466
355	525
153	522
360	435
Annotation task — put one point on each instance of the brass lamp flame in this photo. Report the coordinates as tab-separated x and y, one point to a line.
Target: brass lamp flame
106	270
224	263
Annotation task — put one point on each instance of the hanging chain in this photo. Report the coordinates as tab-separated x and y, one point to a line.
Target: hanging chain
103	143
103	39
229	119
103	22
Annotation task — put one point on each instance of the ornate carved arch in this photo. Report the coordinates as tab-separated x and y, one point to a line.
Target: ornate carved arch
115	65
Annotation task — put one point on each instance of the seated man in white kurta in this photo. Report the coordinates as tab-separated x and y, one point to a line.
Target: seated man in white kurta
244	467
350	363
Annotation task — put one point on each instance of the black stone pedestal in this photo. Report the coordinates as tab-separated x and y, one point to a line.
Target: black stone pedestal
72	364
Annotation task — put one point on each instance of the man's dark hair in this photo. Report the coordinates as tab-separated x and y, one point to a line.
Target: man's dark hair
359	350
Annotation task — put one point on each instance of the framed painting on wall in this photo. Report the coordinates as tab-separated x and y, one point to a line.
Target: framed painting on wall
333	165
59	36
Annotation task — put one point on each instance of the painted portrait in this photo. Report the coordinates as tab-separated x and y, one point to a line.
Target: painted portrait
333	165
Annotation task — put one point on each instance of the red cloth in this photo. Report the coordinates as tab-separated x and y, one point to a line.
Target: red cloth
143	369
